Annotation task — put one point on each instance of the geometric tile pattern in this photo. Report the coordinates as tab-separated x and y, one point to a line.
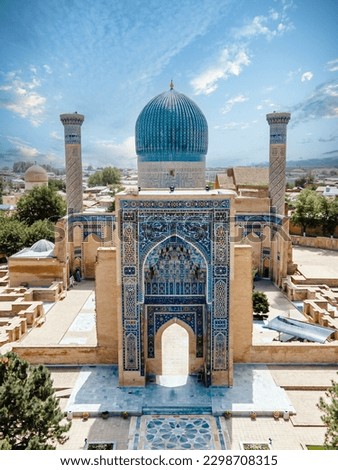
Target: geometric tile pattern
174	250
157	316
179	433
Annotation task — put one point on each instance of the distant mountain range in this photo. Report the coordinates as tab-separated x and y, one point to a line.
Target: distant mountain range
328	162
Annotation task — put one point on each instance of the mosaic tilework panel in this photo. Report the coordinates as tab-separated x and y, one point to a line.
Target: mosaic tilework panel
262	219
198	232
175	267
191	315
179	433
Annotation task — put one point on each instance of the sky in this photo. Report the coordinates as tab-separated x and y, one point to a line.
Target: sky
237	59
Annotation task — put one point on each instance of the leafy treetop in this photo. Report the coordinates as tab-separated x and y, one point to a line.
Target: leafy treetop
41	203
30	414
106	177
330	418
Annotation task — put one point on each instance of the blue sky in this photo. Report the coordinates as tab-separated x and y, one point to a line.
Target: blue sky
237	59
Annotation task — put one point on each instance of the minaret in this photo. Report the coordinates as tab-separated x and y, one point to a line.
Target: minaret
277	160
72	124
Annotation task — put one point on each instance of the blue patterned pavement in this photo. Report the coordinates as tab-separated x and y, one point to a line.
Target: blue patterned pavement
254	389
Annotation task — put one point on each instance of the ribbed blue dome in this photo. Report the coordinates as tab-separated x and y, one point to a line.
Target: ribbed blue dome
171	127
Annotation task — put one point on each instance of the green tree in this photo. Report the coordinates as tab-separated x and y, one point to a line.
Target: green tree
260	303
41	229
300	182
106	177
330	418
39	204
13	235
305	181
58	185
329	215
111	208
30	414
307	210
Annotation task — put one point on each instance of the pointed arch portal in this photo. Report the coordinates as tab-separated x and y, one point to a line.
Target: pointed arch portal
175	256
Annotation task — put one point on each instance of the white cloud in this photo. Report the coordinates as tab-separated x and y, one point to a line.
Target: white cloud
52	158
47	69
28	152
293	74
233	125
307	76
332	65
232	101
110	152
22	98
231	62
255	28
22	149
322	103
266	104
272	25
56	136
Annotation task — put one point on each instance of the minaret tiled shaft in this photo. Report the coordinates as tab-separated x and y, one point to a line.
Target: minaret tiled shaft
72	125
277	161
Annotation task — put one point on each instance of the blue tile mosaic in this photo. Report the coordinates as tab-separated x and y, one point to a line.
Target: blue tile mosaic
179	433
176	248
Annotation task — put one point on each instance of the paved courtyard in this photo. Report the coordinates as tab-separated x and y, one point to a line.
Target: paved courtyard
315	263
297	388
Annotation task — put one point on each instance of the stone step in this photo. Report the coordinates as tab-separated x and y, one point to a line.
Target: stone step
177	410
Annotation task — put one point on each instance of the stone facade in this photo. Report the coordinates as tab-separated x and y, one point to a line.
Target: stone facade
170	174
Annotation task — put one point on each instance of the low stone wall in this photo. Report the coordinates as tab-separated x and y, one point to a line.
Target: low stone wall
324	243
53	293
300	353
64	355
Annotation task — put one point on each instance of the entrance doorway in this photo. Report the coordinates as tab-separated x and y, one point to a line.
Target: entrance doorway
266	268
175	356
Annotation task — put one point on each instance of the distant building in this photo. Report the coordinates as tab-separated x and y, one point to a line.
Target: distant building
327	191
246	181
35	176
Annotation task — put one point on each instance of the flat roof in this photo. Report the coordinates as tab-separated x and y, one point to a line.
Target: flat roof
315	263
177	192
300	329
